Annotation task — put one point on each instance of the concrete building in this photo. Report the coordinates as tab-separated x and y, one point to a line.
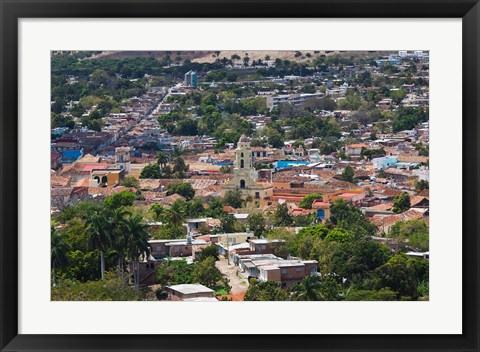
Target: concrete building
106	177
174	248
268	267
185	292
355	149
294	99
384	162
191	79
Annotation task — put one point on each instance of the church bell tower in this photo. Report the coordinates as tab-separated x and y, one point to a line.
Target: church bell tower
244	172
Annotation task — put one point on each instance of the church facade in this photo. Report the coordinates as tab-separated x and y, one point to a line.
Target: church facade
245	177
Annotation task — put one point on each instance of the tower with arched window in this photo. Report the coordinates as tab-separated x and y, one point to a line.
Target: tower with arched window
245	176
244	172
122	158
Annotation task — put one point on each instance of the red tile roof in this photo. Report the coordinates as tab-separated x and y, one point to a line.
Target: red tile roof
319	204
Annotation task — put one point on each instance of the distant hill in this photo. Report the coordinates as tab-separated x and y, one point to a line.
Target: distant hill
159	55
211	56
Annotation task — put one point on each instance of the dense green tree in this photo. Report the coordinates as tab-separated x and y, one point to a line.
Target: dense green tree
151	171
399	274
215	208
59	120
398	95
384	294
168	232
157	209
185	189
411	232
174	272
130	181
233	198
228	223
120	199
256	223
112	288
401	203
308	200
407	118
339	235
59	252
209	251
354	260
195	208
266	291
281	216
186	128
206	273
351	219
420	185
348	174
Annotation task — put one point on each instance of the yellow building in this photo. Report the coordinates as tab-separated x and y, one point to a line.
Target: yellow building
245	177
106	177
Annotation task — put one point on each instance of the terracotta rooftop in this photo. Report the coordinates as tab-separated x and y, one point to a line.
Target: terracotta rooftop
416	200
108	191
59	181
89	158
319	204
424	193
357	146
410	214
229	209
381	207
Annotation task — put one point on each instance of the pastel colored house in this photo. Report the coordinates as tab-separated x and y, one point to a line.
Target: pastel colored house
384	162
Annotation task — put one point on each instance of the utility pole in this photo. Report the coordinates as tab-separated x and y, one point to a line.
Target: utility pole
228	250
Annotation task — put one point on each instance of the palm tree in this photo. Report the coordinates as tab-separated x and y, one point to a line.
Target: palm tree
117	226
179	166
175	214
177	152
308	290
58	254
99	236
137	244
162	159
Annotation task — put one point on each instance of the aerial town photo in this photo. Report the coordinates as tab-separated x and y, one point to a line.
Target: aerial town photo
239	175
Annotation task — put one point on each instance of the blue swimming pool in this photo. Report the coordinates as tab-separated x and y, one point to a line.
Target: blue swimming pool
286	164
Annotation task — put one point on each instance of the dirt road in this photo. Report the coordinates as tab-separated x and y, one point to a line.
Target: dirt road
238	283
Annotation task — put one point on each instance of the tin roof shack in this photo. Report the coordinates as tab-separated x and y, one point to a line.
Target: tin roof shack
234	237
288	272
195	224
185	292
263	246
268	267
159	249
183	248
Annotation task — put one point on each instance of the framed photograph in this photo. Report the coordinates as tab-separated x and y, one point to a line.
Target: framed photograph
247	175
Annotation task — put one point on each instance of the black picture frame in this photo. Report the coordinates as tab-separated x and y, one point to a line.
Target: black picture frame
11	11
